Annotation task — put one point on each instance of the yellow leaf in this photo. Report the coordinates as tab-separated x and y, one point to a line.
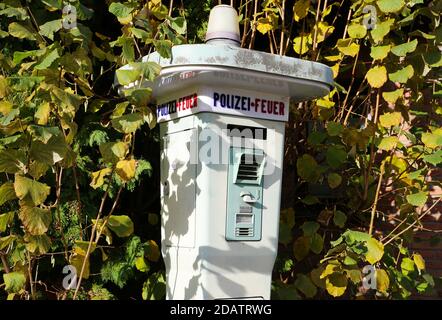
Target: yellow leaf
388	143
77	262
335	70
264	25
375	251
392	96
357	31
4	89
336	284
382	280
377	76
419	261
301	9
42	114
153	251
98	177
323	31
300	44
329	269
390	119
5	107
126	169
348	47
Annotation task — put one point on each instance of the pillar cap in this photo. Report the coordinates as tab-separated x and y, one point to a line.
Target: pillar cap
223	26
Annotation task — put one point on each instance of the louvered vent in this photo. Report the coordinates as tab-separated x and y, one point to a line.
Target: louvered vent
248	168
244	232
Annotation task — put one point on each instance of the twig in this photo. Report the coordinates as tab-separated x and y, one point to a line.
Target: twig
375	203
4	262
103	200
412	224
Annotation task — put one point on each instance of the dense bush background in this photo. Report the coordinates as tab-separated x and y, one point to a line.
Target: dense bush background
79	165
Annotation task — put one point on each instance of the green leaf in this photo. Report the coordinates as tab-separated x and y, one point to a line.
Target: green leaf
128	123
417	199
154	288
315	138
301	247
12	161
403	49
7	192
434	158
334	180
381	29
390	6
388	143
419	261
20	55
141	265
310	227
315	275
127	76
390	119
121	225
179	24
310	200
393	96
336	284
380	52
335	156
31	191
334	128
349	261
317	243
6	241
164	48
42	133
14	281
285	234
308	168
352	236
5	220
305	285
339	218
120	10
407	266
402	75
49	28
140	33
375	251
139	97
20	31
35	220
357	31
51	152
377	76
38	244
17	12
48	60
113	152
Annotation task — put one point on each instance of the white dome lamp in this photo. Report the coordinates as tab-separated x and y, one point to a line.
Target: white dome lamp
223	26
